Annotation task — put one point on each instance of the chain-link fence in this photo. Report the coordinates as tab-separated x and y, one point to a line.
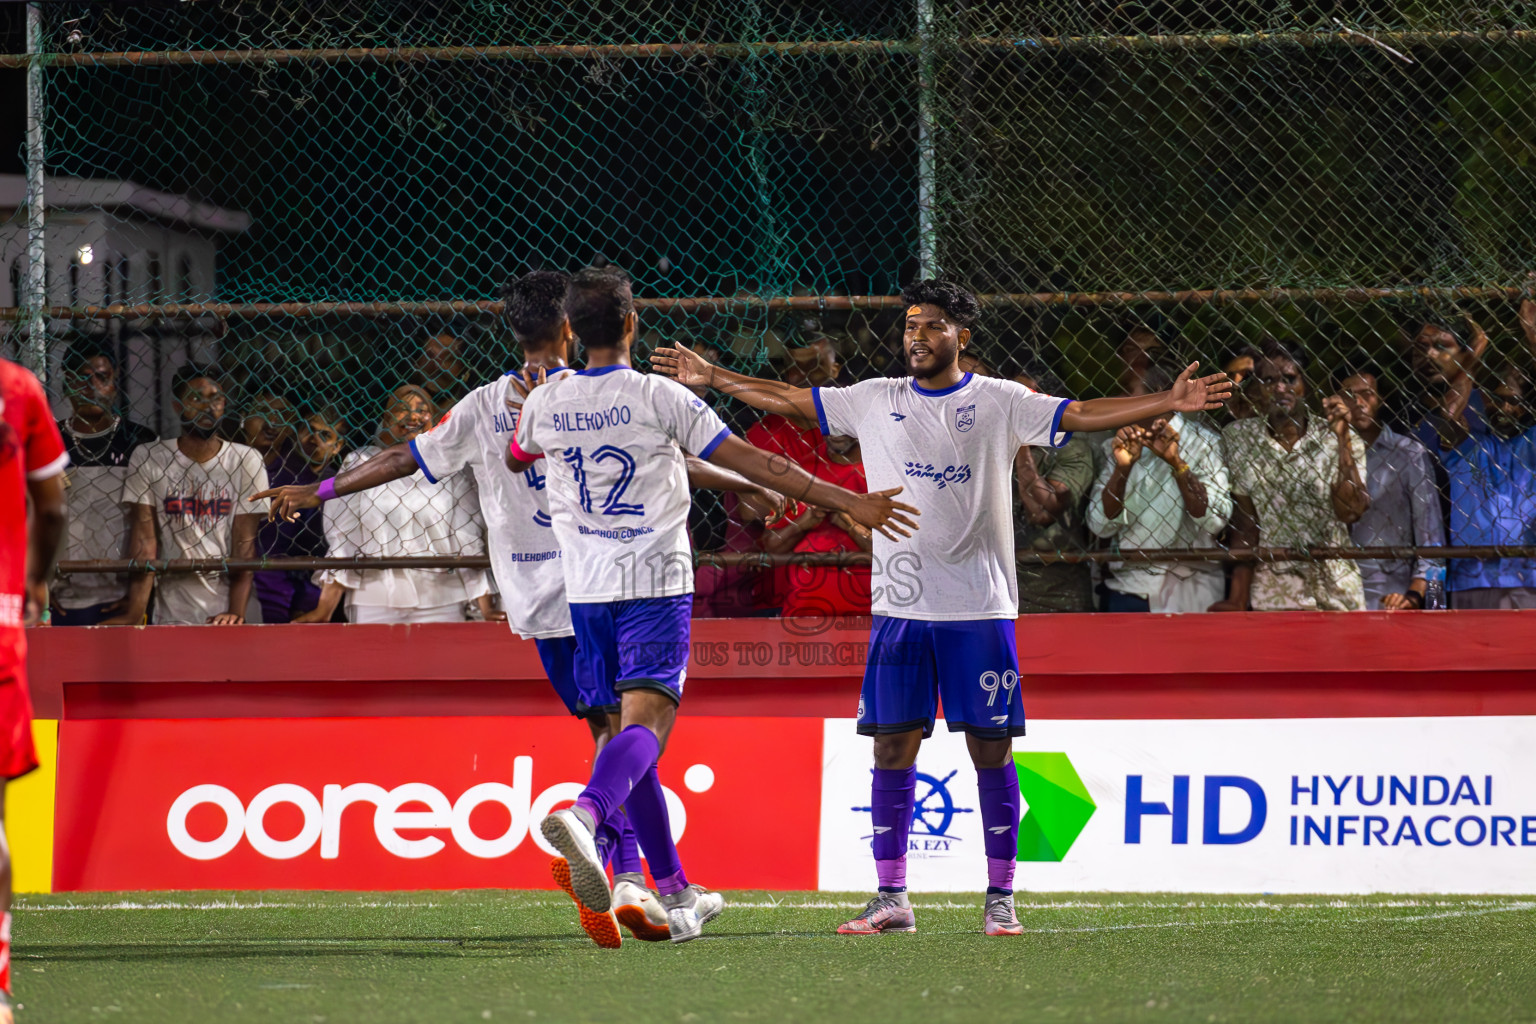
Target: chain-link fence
322	202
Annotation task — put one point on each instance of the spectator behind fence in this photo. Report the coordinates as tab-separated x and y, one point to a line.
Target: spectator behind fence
717	520
1163	485
1445	364
812	364
1238	363
100	441
1296	483
825	591
1053	486
443	367
1493	498
296	450
1142	347
408	517
1405	504
186	499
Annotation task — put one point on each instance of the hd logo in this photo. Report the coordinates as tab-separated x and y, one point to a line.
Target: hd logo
1059	805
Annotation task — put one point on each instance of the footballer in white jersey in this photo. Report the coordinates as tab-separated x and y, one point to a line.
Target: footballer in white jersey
944	601
613	441
525	554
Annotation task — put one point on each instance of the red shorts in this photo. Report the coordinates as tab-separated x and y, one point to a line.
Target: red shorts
17	754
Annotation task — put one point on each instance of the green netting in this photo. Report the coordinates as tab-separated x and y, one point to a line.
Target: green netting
1220	173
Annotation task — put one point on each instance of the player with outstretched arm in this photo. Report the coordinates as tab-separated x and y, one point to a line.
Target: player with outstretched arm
614	440
525	557
943	615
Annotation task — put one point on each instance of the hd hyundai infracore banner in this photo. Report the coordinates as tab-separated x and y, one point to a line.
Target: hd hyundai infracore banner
1330	805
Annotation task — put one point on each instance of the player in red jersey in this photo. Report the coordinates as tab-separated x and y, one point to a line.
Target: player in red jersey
32	462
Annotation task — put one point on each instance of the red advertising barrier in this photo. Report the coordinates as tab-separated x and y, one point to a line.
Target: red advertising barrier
1249	665
391	757
405	803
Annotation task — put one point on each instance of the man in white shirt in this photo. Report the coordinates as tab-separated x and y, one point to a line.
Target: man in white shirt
526	557
187	491
100	441
945	600
617	480
1163	485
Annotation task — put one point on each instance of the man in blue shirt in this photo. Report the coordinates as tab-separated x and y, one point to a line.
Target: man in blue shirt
1493	499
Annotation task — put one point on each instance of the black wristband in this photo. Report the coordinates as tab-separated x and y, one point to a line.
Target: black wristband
1416	597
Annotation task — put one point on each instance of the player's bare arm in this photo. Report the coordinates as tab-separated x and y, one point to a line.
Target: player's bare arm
393	463
1188	394
142	547
690	369
47	499
767	503
878	510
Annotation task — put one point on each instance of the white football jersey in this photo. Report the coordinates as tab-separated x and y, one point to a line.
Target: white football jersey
525	555
952	453
613	440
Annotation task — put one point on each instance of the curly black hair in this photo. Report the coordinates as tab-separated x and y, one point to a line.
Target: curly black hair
956	300
534	304
1285	348
598	300
182	380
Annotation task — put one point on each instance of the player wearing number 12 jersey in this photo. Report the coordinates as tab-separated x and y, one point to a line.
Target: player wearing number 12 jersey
525	554
951	438
612	442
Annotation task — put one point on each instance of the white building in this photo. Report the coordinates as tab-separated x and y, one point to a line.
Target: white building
118	242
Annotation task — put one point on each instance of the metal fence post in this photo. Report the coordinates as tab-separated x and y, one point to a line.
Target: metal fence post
35	287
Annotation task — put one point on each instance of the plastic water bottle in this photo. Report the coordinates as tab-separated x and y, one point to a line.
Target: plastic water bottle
1434	588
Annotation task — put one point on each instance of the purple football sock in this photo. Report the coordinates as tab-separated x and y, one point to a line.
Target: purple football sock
626	850
890	807
647	807
999	788
619	766
1000	873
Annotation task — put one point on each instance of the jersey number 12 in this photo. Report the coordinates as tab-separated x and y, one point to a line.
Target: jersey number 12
613	503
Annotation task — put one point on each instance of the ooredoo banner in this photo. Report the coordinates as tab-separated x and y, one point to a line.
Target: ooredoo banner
407	803
1411	805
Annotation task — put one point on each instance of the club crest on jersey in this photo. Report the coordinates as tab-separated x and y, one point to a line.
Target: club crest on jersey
965	417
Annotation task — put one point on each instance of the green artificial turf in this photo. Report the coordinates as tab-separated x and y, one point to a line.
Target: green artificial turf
519	956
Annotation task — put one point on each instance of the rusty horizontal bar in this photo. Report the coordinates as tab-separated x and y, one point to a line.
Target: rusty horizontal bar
739	50
746	559
808	303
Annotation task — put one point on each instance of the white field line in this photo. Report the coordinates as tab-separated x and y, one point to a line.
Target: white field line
1459	907
1469	913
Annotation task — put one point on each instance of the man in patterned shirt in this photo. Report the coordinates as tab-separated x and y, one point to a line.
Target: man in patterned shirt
1308	478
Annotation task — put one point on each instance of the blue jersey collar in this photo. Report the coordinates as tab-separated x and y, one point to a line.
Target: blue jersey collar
931	393
604	369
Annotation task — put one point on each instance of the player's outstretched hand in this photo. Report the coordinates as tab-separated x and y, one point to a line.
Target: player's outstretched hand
878	511
289	501
764	503
1199	394
683	365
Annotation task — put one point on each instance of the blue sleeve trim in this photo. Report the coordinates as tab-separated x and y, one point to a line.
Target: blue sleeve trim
416	454
821	413
709	449
1056	425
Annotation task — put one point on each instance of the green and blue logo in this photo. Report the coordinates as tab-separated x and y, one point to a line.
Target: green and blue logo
1059	805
